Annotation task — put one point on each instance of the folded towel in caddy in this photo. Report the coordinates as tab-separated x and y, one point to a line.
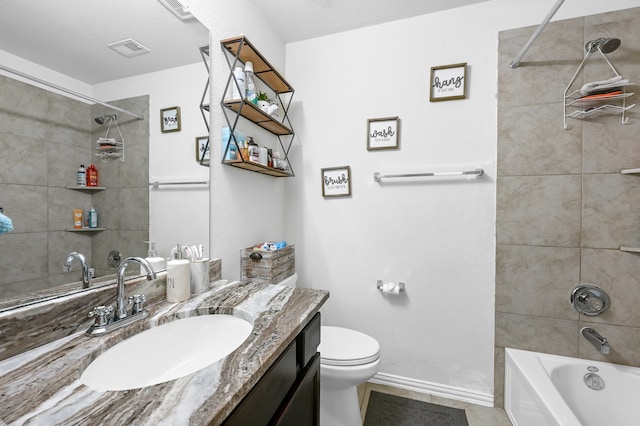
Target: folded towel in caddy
598	86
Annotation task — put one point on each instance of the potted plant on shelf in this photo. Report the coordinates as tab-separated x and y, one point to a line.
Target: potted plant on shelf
263	101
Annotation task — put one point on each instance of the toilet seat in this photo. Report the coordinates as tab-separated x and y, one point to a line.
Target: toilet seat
345	347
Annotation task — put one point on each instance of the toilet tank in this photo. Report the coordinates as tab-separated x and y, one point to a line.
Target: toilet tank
291	281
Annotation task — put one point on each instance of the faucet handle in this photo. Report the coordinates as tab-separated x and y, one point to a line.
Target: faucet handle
102	315
137	300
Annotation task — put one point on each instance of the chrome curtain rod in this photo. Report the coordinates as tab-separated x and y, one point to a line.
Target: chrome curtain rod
71	92
516	62
478	172
157	184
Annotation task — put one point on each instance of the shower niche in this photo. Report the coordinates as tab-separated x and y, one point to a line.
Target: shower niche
606	96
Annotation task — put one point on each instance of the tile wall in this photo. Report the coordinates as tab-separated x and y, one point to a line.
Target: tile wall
563	207
44	137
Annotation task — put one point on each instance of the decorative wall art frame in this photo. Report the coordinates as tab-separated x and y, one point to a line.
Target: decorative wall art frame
170	119
336	181
202	143
448	82
383	133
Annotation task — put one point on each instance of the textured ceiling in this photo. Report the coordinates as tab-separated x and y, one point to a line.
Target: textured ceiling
71	36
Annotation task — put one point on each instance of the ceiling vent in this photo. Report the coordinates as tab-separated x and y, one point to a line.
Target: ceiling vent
177	9
128	48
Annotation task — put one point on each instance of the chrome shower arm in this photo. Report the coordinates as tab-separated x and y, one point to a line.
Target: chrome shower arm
516	62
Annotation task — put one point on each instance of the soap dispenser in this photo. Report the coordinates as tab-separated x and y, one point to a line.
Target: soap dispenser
178	278
157	263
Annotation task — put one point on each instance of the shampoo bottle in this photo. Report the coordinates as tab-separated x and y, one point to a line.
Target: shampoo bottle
81	176
178	278
157	263
92	175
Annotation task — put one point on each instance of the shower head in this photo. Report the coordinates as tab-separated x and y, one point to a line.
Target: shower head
605	45
101	120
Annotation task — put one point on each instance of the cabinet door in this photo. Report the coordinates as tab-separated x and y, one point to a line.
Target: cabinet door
265	398
303	408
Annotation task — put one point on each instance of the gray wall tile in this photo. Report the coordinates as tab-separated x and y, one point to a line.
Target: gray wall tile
538	210
531	146
536	280
538	334
610	211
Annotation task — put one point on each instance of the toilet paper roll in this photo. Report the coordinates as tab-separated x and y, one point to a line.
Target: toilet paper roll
390	288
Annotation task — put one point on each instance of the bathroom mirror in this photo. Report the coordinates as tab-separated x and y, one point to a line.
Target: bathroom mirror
45	128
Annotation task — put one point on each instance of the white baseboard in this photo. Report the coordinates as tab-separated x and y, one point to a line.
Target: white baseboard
436	389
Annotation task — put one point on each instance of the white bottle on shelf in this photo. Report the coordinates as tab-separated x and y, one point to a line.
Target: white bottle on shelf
82	176
237	90
251	94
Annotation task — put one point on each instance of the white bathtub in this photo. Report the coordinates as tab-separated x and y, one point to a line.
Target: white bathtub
543	389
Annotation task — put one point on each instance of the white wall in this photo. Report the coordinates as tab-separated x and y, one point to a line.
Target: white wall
34	70
176	213
436	235
246	207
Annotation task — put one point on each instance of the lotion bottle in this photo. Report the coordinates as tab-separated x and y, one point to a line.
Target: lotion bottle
93	218
178	278
157	263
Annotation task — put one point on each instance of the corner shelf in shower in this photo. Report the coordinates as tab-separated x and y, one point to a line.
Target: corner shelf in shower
635	171
630	171
86	188
85	229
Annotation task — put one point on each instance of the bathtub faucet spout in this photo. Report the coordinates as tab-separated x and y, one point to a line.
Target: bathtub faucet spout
596	339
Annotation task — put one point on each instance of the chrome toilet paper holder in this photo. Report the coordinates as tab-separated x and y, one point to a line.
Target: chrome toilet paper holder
400	285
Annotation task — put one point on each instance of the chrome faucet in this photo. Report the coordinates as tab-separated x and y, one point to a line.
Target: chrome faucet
105	319
83	263
601	343
121	309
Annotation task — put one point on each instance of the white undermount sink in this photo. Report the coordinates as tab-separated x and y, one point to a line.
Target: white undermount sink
166	352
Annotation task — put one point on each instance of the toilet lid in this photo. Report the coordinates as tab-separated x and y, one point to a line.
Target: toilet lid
342	346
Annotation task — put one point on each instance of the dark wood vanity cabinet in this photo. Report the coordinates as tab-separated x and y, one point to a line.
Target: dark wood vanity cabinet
289	392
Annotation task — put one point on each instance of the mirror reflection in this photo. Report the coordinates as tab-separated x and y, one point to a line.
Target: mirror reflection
47	135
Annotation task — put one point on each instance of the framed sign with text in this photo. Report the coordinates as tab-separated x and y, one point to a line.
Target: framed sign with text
202	148
170	119
448	82
336	181
383	133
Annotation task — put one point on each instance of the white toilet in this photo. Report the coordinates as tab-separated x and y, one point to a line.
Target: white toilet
347	359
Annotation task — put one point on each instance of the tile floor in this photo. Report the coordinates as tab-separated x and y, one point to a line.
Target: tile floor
477	415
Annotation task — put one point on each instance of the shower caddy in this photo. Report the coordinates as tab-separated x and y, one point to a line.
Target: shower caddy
609	102
110	147
238	50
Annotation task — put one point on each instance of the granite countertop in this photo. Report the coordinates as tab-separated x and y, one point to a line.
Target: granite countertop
42	386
